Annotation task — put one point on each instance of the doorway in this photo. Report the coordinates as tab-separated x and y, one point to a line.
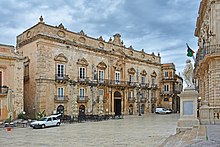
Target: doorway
142	108
60	109
117	103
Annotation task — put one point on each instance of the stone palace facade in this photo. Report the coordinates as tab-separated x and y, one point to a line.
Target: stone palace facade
11	82
207	65
72	73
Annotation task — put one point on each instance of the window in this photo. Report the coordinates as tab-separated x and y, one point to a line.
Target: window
117	77
130	94
82	73
101	76
131	78
81	93
60	70
142	79
166	87
166	74
153	81
60	93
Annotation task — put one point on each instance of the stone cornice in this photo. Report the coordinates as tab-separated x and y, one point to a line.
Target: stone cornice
84	46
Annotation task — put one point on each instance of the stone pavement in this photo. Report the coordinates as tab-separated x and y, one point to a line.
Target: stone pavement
149	130
203	136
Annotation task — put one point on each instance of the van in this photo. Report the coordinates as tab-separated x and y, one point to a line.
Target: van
162	111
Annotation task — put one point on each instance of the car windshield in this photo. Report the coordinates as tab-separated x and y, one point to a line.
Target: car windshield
43	119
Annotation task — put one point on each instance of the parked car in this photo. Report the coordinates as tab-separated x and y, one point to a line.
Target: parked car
163	111
46	122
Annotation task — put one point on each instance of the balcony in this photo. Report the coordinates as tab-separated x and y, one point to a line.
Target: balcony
168	79
154	86
166	92
102	82
82	99
143	99
144	85
117	83
83	80
131	99
61	98
132	84
61	78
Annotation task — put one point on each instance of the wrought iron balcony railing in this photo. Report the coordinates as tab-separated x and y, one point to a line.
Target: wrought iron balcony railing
61	77
61	98
131	99
82	99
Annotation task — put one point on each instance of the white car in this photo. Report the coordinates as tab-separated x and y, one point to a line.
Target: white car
162	111
46	122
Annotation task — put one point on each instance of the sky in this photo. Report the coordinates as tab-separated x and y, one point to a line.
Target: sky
159	26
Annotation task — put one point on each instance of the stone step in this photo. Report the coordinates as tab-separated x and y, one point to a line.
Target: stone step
186	138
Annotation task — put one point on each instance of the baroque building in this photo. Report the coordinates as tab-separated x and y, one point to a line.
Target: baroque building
11	82
72	73
171	86
207	65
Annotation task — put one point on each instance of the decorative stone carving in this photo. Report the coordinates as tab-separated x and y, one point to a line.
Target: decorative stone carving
154	74
61	26
61	34
28	34
82	33
131	53
131	70
102	65
101	39
143	73
83	62
82	39
118	65
61	57
117	39
41	19
101	45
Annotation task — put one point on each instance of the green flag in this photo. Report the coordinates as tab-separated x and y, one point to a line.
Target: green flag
189	51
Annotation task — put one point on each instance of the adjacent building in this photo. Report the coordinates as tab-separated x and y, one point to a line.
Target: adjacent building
11	82
72	73
171	85
207	65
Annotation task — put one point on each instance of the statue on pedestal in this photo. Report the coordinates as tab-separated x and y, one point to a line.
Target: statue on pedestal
188	73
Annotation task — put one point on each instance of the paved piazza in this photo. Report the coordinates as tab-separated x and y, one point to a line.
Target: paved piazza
133	131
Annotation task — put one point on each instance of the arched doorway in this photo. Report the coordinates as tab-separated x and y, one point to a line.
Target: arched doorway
142	108
117	103
81	110
130	110
60	109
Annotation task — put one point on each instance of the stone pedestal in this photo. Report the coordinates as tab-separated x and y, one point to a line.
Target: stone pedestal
204	114
188	110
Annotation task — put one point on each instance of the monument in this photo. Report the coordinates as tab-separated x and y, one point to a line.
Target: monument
188	101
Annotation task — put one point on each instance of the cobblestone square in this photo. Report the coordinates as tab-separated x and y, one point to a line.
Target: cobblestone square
133	131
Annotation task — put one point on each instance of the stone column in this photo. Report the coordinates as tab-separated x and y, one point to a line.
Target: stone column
188	110
74	103
100	105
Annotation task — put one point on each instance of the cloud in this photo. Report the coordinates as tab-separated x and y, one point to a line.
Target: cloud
155	25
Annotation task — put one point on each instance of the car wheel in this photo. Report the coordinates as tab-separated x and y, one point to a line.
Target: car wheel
58	124
43	126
